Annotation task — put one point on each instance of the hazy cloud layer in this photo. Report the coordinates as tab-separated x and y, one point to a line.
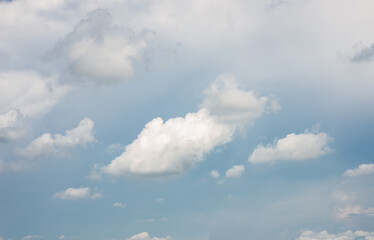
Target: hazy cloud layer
28	92
11	126
366	54
293	147
363	169
98	50
324	235
344	212
58	144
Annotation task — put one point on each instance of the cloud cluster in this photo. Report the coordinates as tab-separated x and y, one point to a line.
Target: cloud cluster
77	193
48	144
98	50
293	147
145	236
324	235
235	172
363	169
165	149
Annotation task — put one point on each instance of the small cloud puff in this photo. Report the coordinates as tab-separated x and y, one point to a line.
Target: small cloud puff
119	205
145	236
293	147
235	172
29	237
214	174
77	193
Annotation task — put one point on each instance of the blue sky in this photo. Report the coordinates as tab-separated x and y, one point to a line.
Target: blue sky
179	120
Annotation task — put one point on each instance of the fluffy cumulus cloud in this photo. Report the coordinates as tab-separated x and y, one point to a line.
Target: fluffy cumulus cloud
363	169
11	125
231	105
48	144
169	148
324	235
294	147
28	92
235	172
77	193
98	50
165	149
146	236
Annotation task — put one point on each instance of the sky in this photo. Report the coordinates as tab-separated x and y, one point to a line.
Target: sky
186	120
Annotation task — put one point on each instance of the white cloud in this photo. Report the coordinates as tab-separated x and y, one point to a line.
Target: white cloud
11	126
145	236
231	105
363	169
32	237
214	173
119	204
165	149
73	193
48	144
235	172
294	147
61	237
98	50
28	92
347	211
169	148
160	199
324	235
